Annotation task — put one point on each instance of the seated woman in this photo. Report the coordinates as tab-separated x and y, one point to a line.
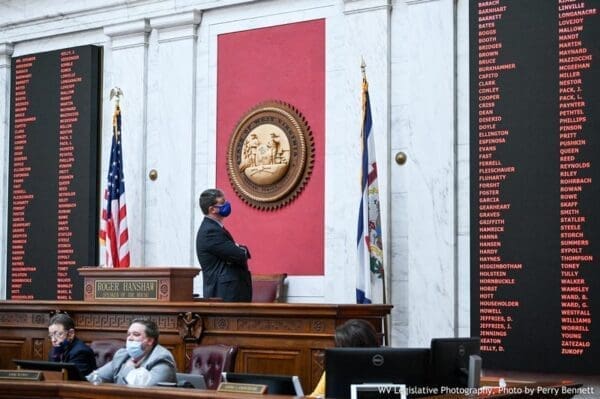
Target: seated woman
354	333
143	361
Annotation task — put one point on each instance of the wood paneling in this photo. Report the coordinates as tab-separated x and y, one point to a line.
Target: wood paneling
273	361
277	338
11	349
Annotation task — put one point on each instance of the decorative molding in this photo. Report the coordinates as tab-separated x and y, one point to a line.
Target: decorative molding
360	6
60	15
270	325
177	33
37	347
6	51
65	18
40	319
129	34
120	322
221	324
163	289
317	326
190	327
317	363
169	21
127	28
177	26
18	319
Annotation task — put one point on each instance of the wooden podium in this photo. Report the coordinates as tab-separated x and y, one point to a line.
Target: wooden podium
163	284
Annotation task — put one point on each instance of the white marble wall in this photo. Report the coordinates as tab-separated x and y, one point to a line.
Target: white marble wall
170	199
432	296
361	33
163	55
400	63
125	65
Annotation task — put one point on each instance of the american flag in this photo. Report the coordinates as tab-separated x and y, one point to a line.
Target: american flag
370	284
113	226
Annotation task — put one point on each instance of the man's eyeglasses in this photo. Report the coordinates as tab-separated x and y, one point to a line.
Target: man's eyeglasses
57	334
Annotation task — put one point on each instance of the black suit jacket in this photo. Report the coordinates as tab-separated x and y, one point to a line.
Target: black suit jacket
224	265
79	353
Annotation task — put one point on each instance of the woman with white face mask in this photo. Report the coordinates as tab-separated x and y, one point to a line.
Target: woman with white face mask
143	361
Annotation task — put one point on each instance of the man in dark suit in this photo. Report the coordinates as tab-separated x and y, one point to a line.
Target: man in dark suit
66	347
224	263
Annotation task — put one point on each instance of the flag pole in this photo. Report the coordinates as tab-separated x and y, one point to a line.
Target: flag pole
363	68
114	235
386	319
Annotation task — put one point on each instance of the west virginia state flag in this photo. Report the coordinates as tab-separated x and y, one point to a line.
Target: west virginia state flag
370	286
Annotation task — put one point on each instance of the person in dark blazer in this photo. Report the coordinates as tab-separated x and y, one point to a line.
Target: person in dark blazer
224	263
66	347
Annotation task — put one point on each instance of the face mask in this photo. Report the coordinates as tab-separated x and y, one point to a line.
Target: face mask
225	209
63	345
57	351
134	349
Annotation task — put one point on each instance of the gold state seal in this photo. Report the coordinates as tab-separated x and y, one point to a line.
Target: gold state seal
270	155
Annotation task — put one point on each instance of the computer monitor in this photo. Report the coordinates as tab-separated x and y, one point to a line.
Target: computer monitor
450	361
276	384
347	366
71	369
195	380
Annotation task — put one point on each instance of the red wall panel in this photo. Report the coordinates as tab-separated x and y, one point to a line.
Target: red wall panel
284	63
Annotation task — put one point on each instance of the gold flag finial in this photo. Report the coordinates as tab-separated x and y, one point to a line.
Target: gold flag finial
116	92
363	68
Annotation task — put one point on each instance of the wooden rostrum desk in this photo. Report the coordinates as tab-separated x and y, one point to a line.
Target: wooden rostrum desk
273	338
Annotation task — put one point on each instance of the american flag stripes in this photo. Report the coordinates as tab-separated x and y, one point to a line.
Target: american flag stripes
113	226
370	284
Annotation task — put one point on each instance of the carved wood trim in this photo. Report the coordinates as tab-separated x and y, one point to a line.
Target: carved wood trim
317	364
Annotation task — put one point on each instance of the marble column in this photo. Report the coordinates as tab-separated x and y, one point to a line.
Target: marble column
6	50
171	199
126	61
432	253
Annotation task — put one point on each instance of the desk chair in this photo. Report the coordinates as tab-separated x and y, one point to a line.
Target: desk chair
268	287
104	349
211	360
